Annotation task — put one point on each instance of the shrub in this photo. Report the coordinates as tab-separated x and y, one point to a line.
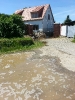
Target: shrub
18	44
11	26
15	42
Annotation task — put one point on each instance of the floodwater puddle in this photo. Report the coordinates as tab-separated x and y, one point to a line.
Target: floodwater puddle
24	77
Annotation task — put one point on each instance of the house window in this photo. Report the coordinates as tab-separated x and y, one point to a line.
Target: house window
48	16
34	15
35	27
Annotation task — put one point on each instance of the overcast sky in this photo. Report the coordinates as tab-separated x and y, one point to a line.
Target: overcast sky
60	8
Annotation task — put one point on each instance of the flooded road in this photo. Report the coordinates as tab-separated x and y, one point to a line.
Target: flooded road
29	76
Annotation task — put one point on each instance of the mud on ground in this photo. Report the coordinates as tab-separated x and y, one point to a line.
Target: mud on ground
35	76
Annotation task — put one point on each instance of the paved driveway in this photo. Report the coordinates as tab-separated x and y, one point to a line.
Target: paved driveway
62	48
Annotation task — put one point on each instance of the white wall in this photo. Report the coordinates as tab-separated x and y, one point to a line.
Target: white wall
68	31
63	30
71	31
48	23
37	22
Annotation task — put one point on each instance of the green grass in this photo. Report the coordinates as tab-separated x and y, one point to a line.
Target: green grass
18	44
73	40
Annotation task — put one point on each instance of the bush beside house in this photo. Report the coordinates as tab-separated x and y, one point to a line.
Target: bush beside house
12	30
11	26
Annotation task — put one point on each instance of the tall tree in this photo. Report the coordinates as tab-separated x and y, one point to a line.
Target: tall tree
67	20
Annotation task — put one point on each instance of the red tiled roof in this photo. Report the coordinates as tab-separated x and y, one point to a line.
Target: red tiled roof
37	9
26	14
19	11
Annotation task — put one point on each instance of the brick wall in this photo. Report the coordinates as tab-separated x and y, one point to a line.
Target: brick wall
56	32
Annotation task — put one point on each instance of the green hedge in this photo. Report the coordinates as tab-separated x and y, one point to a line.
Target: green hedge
11	26
15	42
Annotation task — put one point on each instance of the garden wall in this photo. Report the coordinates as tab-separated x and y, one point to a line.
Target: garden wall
71	31
68	31
56	32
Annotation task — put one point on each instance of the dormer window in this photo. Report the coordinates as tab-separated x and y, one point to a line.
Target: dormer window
34	15
37	12
48	16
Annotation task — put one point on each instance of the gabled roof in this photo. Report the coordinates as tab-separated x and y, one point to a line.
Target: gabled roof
19	11
26	13
37	9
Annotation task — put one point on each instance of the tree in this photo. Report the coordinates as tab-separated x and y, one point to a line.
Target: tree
67	20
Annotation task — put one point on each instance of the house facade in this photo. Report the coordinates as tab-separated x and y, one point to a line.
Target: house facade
40	17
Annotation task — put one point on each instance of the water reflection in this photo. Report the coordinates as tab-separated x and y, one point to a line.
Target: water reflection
24	77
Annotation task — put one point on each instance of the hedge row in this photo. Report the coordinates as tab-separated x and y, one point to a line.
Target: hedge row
15	42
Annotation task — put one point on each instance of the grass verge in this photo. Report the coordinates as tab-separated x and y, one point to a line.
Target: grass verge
73	40
18	44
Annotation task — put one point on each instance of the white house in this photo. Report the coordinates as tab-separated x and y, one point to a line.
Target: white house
41	17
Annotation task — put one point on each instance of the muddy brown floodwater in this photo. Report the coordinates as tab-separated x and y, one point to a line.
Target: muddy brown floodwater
29	76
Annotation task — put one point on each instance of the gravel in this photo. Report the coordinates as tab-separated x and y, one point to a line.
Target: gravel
62	48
